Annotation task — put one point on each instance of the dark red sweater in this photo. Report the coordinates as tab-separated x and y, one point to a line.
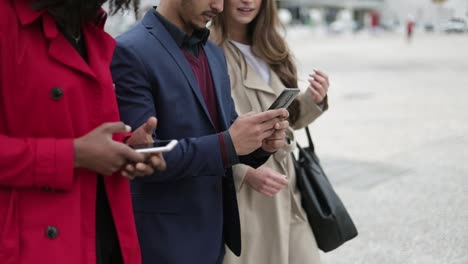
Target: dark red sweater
201	70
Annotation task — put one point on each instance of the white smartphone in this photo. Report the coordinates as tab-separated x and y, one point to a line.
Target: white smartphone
156	147
285	98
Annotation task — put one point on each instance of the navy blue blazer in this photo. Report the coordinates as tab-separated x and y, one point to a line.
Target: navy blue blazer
183	214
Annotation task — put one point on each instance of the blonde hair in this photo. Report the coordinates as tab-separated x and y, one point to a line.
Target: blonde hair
267	44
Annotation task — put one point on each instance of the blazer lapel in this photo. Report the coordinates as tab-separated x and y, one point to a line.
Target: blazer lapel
218	82
155	28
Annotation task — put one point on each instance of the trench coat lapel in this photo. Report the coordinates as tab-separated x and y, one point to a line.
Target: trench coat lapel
254	85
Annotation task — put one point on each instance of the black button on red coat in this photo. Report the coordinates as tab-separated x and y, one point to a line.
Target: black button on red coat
51	232
56	93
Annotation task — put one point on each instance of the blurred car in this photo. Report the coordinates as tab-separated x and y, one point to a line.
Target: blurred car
428	27
455	25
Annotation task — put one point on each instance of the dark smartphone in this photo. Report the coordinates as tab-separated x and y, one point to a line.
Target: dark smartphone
285	98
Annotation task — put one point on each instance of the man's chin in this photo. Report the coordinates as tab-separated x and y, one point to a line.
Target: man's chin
199	26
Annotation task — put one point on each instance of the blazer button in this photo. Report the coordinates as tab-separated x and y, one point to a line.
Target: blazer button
51	232
46	189
56	93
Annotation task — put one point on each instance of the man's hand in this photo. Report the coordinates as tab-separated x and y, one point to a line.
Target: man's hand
154	161
265	180
249	130
278	139
97	151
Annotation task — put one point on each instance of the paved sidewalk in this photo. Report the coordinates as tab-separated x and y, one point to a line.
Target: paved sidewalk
395	142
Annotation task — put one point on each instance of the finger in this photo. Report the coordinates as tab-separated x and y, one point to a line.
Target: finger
315	95
127	175
282	125
321	73
320	89
130	168
321	80
268	125
271	114
271	184
118	162
313	91
270	190
129	154
277	134
158	162
276	123
266	191
150	125
267	133
116	127
280	179
317	86
143	169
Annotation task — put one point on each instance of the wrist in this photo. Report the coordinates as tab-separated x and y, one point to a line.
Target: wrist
233	140
76	153
249	174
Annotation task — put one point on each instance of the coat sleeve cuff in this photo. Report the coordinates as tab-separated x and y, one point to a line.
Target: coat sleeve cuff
309	110
54	164
228	150
256	158
239	172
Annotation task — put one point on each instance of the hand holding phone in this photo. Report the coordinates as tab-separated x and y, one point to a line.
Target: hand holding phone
285	98
156	147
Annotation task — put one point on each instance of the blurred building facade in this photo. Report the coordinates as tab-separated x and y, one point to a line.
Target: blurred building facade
381	13
427	12
344	15
363	13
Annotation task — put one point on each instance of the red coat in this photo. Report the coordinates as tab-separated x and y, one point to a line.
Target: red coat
48	96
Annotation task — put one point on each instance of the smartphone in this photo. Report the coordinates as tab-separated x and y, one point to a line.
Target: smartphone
156	147
285	98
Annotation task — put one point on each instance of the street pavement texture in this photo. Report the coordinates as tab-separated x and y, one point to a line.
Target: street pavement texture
394	142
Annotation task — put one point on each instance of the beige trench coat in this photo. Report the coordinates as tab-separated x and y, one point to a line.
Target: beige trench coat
274	229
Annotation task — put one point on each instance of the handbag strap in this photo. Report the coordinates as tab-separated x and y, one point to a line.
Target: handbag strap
309	138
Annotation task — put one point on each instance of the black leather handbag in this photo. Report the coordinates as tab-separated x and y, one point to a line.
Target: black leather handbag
330	222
